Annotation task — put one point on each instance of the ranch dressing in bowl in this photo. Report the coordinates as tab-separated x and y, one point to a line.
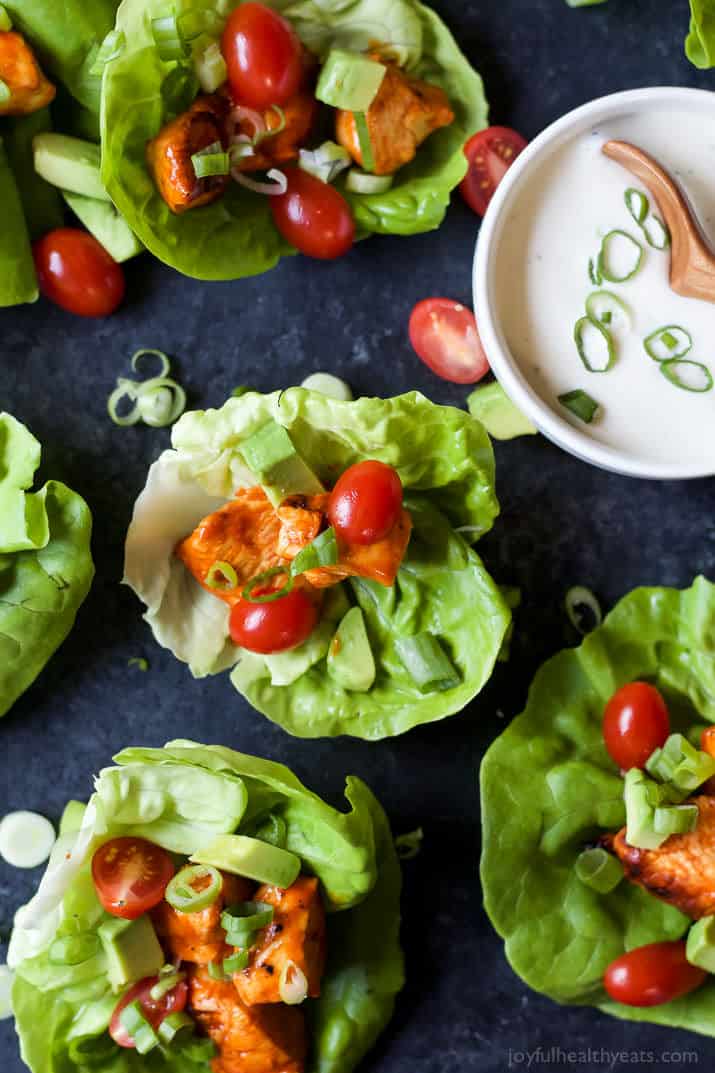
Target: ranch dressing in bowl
547	221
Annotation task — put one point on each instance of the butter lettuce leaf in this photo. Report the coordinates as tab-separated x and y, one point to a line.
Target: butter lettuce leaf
548	787
446	464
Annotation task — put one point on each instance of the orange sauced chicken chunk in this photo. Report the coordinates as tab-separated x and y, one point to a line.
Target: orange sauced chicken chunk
300	114
682	870
403	114
169	154
297	934
256	1039
21	73
199	937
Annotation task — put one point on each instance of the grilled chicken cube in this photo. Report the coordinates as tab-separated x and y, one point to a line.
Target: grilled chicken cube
199	937
300	115
301	518
244	533
404	112
296	933
169	154
258	1039
682	870
21	73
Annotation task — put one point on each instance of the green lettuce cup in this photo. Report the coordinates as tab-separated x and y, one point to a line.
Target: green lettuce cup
45	562
549	789
182	798
445	461
235	236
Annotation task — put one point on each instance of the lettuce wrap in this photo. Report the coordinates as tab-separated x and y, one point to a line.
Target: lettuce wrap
45	562
445	460
235	236
549	787
181	797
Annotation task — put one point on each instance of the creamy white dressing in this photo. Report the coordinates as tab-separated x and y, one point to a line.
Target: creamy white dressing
555	223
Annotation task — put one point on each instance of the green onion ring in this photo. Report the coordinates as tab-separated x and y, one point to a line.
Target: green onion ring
124	388
221	576
236	962
664	242
641	213
592	302
268	597
578	331
159	390
181	894
666	336
263	134
151	352
669	369
241	921
593	273
580	404
603	268
580	596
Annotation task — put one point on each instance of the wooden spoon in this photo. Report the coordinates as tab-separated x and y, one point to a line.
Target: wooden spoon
692	265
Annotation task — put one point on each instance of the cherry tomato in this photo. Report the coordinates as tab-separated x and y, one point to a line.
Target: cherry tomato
445	336
490	153
263	55
130	876
155	1012
635	723
275	626
652	974
78	274
366	502
313	216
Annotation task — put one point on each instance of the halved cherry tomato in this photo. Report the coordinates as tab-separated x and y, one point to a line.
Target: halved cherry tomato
155	1012
652	974
263	55
490	153
130	876
313	216
445	336
635	723
76	273
275	626
365	503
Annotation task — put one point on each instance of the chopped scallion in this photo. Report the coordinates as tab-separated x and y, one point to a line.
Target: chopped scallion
164	363
598	869
656	233
242	921
172	1025
221	576
408	845
213	160
667	343
236	962
275	594
619	246
578	599
323	551
604	306
637	204
580	404
292	984
139	662
593	274
675	819
182	895
687	375
363	182
427	663
166	982
210	68
594	344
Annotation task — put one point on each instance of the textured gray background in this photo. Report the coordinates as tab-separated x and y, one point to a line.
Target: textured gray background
562	522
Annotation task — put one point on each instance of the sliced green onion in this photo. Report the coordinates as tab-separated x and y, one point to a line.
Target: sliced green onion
609	251
221	576
26	839
323	551
216	970
327	384
656	233
241	922
5	92
261	135
681	765
580	404
326	162
675	819
408	845
595	363
272	829
168	40
427	663
292	984
637	204
5	20
593	274
139	662
268	597
675	370
138	1029
601	306
110	49
210	67
74	949
363	133
599	870
362	182
164	362
167	981
160	401
213	160
236	962
172	1025
124	389
577	599
182	895
667	343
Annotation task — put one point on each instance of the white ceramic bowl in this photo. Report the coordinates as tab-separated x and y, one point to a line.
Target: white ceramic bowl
506	368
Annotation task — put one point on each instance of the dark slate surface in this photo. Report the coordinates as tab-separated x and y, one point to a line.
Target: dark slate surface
562	522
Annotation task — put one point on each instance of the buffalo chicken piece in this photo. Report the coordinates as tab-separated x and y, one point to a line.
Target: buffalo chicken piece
199	937
250	1039
276	149
296	934
404	112
169	154
20	71
682	870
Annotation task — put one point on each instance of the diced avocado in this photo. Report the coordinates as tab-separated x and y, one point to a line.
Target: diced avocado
249	857
271	456
350	660
106	224
700	945
349	80
70	163
132	950
640	811
500	417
